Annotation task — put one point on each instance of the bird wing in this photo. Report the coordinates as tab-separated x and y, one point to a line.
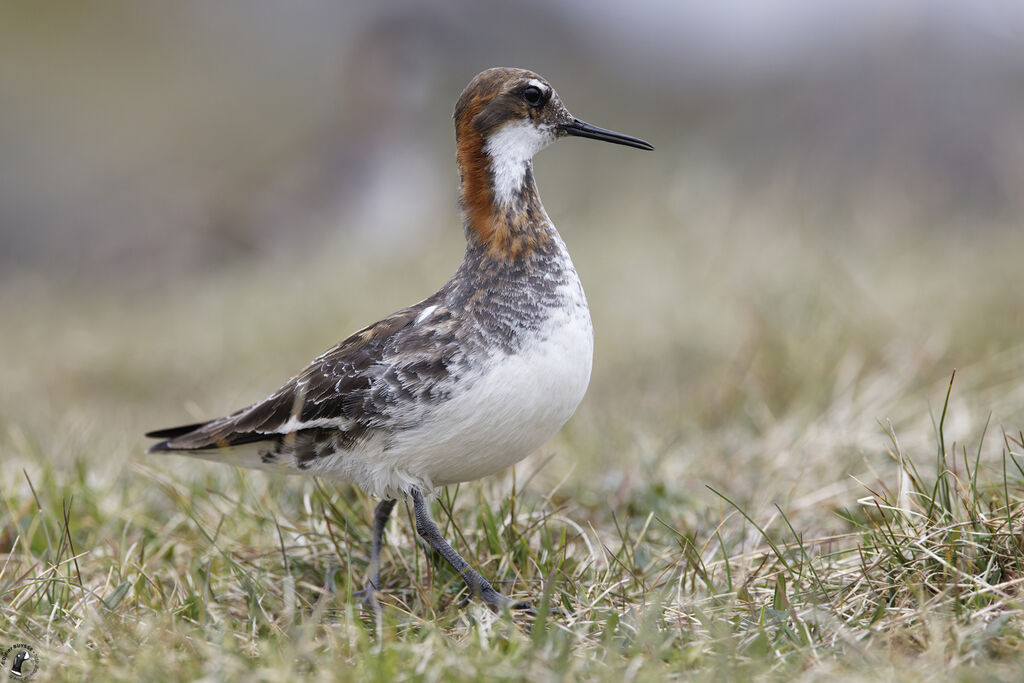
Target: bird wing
380	378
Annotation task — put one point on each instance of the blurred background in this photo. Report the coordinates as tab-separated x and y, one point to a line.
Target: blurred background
196	198
142	139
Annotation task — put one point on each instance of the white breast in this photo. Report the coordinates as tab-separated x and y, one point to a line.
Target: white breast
515	403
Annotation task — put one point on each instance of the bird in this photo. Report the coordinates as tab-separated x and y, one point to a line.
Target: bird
466	382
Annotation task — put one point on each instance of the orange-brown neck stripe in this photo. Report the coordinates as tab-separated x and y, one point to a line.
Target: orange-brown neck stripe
506	232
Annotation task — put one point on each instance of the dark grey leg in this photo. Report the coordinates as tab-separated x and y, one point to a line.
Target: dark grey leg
380	519
478	585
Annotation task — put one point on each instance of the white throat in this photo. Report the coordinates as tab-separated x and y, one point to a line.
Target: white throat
511	150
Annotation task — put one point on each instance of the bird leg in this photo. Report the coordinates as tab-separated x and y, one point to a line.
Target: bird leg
478	585
380	519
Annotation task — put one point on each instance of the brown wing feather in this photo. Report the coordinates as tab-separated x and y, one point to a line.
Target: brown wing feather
357	385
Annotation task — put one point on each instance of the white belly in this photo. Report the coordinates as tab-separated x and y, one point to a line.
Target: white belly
516	403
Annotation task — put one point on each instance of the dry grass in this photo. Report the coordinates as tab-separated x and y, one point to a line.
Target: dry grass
769	477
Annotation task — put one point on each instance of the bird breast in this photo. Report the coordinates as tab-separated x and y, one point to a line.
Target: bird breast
509	403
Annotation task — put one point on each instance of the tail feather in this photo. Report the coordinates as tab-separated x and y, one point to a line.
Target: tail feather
309	450
196	437
173	432
252	455
169	434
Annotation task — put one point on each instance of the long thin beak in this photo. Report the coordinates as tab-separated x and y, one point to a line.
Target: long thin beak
583	129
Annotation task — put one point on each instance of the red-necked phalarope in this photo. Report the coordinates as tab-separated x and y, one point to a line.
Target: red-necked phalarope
468	381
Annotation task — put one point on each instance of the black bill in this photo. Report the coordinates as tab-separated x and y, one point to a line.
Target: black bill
582	129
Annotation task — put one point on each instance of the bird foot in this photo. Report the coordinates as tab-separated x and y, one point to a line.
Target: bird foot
368	598
498	602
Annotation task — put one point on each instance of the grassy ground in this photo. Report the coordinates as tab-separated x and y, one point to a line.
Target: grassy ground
770	476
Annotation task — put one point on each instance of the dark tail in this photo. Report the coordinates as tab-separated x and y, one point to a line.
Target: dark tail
206	441
174	432
168	434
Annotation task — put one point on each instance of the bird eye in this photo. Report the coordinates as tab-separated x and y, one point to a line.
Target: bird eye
533	95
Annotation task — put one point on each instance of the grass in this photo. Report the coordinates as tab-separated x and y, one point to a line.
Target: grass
774	475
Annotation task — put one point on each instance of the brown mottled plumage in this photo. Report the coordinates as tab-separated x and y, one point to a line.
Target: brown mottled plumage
466	382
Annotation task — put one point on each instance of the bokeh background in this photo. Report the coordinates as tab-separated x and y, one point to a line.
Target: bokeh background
148	139
196	198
